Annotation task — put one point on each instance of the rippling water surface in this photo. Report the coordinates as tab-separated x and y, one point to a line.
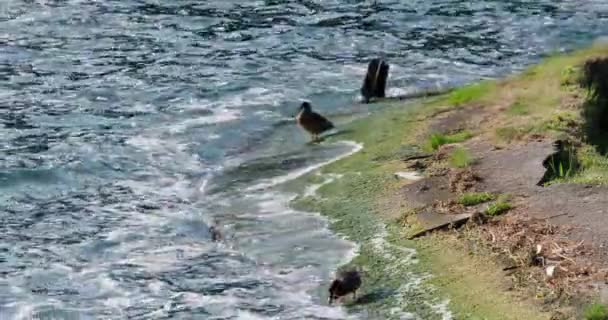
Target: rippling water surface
128	126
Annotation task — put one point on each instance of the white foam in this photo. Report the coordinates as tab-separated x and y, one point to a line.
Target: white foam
409	175
603	40
443	310
311	190
397	258
218	116
350	254
165	258
24	311
356	147
406	255
251	97
246	315
395	92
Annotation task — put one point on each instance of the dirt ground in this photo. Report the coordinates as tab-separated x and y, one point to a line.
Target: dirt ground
555	238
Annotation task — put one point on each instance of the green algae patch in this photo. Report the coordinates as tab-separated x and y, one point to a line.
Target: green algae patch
387	284
391	289
470	93
361	205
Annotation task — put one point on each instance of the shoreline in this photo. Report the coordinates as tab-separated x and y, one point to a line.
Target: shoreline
366	201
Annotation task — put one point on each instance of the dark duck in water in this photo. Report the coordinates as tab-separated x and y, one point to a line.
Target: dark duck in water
312	122
346	282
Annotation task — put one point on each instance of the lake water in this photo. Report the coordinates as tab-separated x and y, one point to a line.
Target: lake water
128	126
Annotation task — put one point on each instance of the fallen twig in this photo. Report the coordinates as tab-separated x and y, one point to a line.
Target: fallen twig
564	257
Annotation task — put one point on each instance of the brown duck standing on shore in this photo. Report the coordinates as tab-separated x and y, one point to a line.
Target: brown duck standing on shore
374	84
312	122
345	283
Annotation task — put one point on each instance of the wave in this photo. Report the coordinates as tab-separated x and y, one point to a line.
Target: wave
355	147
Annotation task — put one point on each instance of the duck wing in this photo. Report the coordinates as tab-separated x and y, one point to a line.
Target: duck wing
322	123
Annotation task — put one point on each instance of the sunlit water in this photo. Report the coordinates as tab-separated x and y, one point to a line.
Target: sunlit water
128	126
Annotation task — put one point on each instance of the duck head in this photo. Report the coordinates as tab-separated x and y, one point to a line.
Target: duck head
305	107
333	295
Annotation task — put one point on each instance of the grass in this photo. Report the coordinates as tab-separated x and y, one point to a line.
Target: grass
497	208
470	93
475	198
569	76
561	121
596	311
543	101
509	134
472	279
519	108
562	166
593	167
460	158
436	140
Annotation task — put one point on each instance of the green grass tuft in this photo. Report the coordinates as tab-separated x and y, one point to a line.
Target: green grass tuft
561	121
596	311
470	93
460	158
518	109
436	139
475	198
570	76
497	208
593	167
510	134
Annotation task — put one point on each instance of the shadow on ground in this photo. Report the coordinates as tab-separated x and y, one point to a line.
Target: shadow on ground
374	296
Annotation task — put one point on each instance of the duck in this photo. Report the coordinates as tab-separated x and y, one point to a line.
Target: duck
215	231
216	234
312	122
346	282
374	83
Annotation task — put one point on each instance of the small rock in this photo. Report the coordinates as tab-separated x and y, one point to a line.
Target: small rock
550	271
479	218
424	188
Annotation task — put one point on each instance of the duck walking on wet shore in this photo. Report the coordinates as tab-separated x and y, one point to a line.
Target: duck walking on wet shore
346	282
312	122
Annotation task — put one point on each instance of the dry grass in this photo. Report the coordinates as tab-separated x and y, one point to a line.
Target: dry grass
539	102
536	248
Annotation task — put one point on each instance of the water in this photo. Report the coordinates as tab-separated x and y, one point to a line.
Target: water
128	126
